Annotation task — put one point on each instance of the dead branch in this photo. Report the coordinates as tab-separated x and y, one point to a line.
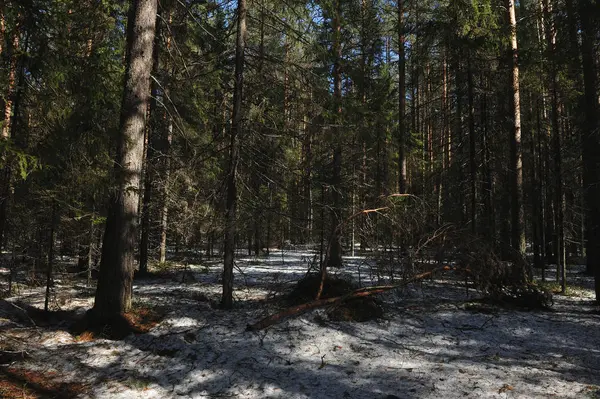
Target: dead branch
319	303
339	227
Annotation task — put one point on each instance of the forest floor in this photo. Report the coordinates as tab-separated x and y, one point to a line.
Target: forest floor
434	341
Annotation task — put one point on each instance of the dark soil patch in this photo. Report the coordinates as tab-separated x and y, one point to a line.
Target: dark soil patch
356	309
360	309
307	288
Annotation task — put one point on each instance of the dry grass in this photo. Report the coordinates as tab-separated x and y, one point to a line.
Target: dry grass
143	318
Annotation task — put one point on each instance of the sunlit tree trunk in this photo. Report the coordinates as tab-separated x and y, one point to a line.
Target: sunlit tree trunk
516	158
114	290
150	154
401	101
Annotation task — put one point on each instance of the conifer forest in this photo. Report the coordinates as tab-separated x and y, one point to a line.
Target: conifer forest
299	199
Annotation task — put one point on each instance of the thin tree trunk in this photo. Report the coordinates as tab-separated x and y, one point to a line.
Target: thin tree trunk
90	255
589	139
166	164
516	166
556	145
236	132
50	264
150	172
472	145
114	291
401	101
335	254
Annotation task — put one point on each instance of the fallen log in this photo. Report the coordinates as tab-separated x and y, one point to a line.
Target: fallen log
319	303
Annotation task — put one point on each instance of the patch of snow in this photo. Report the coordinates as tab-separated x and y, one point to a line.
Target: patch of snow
428	345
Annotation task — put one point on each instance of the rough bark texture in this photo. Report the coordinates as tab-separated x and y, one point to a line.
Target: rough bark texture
236	131
516	157
114	291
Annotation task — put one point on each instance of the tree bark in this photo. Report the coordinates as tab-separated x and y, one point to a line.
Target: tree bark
152	132
516	157
335	255
236	132
114	291
401	101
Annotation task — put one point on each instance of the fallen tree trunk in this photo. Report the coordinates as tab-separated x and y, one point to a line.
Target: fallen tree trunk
319	303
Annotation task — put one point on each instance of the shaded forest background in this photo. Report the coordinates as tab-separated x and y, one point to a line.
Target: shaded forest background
279	123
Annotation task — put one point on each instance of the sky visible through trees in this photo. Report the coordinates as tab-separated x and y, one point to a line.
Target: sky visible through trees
150	135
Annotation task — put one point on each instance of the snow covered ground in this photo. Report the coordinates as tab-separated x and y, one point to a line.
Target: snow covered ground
431	343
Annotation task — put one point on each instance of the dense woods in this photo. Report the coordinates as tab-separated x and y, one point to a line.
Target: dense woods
185	177
261	124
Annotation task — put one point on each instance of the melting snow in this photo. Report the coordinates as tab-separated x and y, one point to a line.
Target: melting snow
428	346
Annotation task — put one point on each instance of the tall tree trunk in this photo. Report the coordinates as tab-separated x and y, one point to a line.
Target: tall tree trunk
472	145
556	144
165	148
489	230
114	291
516	157
335	245
12	82
7	127
591	145
458	137
166	174
236	132
401	101
149	161
443	199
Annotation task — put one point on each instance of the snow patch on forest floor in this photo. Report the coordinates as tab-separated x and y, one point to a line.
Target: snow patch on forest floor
430	344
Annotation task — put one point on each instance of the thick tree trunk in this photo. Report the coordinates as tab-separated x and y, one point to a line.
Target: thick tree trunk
516	157
114	291
236	132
